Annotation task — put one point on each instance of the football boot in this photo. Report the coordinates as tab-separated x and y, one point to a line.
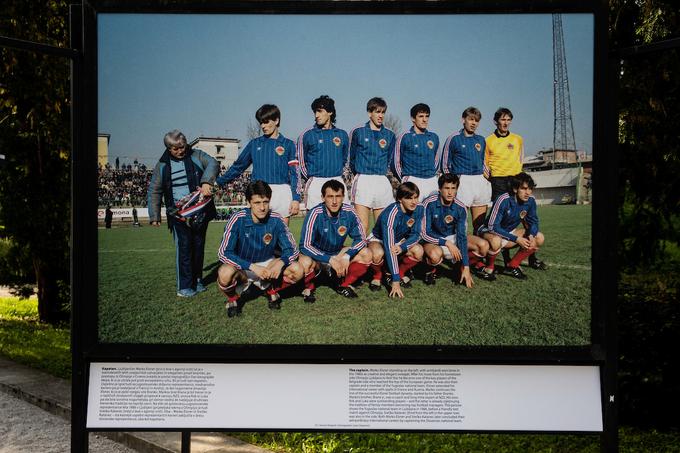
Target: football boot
514	272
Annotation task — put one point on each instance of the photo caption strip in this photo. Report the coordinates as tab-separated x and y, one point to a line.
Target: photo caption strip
352	397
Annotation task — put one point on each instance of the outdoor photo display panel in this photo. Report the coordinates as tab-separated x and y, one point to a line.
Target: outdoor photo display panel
206	75
525	342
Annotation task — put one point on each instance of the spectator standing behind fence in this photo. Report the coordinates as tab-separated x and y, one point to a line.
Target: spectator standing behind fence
180	171
135	217
108	217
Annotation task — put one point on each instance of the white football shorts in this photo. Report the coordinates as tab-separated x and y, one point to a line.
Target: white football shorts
372	191
281	199
427	186
474	190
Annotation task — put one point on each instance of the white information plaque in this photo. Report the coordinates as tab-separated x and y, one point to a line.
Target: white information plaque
345	397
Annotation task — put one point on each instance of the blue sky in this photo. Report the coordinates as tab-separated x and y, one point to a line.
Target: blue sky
208	74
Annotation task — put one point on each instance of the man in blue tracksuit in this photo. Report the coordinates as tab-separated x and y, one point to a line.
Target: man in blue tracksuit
322	242
180	171
416	154
395	236
322	151
370	156
247	251
274	161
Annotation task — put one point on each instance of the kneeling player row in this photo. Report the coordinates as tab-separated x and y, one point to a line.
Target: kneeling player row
258	249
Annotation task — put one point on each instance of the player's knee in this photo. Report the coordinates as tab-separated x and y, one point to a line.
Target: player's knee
540	239
225	274
294	271
416	251
494	242
377	254
365	255
434	254
306	262
482	247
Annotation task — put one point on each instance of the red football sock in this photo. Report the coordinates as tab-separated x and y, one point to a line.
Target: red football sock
406	264
475	259
309	280
285	283
377	270
491	259
354	272
229	291
520	256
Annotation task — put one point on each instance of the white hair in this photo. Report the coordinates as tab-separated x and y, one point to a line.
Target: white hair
174	138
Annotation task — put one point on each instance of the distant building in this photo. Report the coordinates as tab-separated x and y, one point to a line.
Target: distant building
561	177
224	150
103	149
545	157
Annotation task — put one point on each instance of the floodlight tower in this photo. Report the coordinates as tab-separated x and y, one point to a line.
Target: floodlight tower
563	131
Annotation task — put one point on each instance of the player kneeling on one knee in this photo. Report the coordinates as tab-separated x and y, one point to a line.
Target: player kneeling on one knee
502	228
247	251
322	242
395	237
444	233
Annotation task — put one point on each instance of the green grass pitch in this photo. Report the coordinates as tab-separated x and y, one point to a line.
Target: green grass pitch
137	301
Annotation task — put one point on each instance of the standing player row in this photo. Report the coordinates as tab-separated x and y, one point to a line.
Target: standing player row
258	250
324	152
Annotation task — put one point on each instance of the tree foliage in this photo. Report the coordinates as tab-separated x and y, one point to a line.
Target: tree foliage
393	123
648	139
648	307
35	137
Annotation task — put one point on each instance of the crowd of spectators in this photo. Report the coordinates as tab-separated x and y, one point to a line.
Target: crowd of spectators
127	186
233	193
123	187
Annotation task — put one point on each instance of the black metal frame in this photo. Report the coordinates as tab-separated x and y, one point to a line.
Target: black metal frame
85	346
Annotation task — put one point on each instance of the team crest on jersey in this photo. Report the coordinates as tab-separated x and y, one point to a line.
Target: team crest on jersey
280	150
478	147
448	218
267	238
430	144
382	142
342	229
511	146
337	141
522	214
410	222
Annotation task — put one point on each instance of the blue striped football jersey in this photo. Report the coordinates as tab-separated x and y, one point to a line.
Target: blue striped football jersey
395	226
416	155
464	155
371	152
246	242
441	221
322	152
507	213
274	161
323	234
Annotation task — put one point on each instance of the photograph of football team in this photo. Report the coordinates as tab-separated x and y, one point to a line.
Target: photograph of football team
318	205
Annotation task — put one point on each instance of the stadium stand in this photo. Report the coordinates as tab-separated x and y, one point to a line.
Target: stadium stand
128	186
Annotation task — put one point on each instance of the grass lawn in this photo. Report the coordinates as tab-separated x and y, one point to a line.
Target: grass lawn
25	340
137	301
